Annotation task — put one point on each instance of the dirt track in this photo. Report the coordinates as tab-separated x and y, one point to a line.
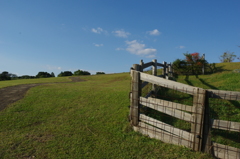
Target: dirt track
9	95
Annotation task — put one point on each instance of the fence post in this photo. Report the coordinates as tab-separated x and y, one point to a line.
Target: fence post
135	89
167	71
170	70
206	141
154	72
198	117
164	69
141	64
203	67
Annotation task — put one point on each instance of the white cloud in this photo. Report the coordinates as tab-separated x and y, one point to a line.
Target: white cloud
49	67
98	45
151	56
98	30
139	49
118	49
121	33
154	32
181	47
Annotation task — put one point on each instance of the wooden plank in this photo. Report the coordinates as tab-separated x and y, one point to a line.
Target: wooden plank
225	125
134	108
159	64
228	95
170	111
164	136
144	84
224	151
146	65
171	104
168	83
166	127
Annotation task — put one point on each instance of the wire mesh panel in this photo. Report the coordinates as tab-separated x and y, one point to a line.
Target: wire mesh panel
224	112
167	114
168	111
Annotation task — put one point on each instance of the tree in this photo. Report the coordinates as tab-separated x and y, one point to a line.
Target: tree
43	75
26	77
98	73
5	76
13	76
227	57
65	73
195	62
192	64
81	72
52	74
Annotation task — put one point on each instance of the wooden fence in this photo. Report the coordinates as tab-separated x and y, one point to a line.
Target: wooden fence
197	114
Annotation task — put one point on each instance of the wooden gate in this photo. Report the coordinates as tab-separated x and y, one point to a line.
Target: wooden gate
197	114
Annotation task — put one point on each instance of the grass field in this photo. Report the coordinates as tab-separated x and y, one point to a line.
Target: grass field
31	81
78	120
89	119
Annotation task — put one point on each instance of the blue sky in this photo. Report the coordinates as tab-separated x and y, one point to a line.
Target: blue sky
111	35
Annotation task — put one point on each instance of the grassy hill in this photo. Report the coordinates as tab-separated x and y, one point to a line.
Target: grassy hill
223	79
88	119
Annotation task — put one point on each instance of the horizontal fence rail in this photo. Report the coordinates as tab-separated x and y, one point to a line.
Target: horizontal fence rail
147	111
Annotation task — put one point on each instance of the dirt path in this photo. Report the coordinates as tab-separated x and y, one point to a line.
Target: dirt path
9	95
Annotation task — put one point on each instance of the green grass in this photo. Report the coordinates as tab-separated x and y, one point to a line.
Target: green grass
31	81
78	120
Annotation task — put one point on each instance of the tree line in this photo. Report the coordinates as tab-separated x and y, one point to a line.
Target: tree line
9	76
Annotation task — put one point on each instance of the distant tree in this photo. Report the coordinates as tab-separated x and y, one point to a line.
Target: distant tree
65	73
98	73
52	74
43	75
192	64
81	72
26	77
13	76
5	76
239	56
227	57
